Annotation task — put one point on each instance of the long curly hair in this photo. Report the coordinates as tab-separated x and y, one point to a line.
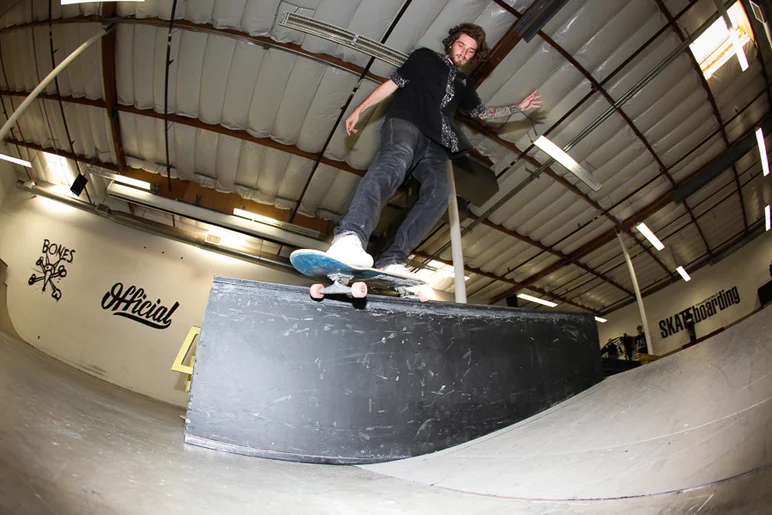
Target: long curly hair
473	31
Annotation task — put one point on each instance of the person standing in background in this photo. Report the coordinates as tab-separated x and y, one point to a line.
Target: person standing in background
627	343
640	341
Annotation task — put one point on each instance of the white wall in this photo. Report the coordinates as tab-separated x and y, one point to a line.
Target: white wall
76	329
747	269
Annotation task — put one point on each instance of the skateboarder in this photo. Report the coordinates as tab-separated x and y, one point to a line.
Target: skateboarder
418	135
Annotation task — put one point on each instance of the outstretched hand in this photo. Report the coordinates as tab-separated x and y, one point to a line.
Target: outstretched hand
352	120
532	101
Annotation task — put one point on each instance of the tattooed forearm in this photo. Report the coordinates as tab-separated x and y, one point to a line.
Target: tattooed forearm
495	112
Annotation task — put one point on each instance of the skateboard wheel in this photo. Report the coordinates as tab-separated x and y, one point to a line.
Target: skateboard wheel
422	296
359	290
317	291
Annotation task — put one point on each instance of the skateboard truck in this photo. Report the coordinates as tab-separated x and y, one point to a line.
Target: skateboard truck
358	289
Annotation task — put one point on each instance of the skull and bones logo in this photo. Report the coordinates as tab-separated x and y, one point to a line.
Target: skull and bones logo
50	271
51	267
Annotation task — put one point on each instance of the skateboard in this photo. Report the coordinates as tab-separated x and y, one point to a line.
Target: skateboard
315	263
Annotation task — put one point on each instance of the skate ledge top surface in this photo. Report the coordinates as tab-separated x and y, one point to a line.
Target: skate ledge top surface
379	302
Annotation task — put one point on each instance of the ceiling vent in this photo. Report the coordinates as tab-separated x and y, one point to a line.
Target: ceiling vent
342	37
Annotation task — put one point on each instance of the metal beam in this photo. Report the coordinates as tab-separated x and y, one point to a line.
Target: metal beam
194	122
111	89
551	250
695	265
716	114
502	48
240	134
627	224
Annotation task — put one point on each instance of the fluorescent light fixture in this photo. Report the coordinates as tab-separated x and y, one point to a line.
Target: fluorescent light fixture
768	216
209	216
267	220
650	236
762	150
16	160
72	2
254	216
225	238
537	300
683	273
601	320
120	178
567	161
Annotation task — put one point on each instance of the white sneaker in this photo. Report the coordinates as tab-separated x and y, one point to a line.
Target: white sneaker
348	249
398	269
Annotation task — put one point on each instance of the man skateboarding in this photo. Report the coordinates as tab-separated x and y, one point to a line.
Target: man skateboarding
418	135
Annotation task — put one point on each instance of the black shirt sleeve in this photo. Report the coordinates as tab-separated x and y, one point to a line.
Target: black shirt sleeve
411	68
470	101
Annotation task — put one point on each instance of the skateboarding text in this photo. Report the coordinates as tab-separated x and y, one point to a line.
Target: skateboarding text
699	312
132	303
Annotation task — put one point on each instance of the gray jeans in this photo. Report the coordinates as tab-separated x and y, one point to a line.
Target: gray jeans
403	148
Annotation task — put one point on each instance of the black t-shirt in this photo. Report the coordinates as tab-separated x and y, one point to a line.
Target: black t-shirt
640	343
431	89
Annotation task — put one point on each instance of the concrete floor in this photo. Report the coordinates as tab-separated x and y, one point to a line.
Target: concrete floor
70	443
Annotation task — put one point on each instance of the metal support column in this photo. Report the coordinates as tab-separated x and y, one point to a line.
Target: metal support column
455	239
642	311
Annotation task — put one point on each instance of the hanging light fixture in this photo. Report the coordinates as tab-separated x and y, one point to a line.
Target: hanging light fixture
559	155
71	2
16	160
762	151
683	273
537	300
643	229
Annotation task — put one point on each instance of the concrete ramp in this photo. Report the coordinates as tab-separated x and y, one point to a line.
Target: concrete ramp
700	417
72	444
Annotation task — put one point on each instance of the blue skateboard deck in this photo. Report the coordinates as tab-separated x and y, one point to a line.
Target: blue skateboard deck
315	263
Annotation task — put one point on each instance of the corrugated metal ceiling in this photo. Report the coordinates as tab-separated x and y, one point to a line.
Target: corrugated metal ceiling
252	104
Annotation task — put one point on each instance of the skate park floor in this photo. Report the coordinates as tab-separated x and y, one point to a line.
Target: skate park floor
689	433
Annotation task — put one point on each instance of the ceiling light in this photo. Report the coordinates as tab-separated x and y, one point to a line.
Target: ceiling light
683	273
567	161
767	215
762	150
650	236
263	231
254	216
144	185
225	238
71	2
16	160
601	320
537	300
267	220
